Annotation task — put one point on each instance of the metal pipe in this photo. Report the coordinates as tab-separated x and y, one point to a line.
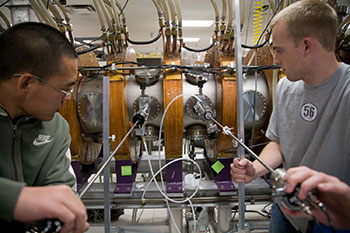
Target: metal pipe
106	146
39	14
104	11
8	24
240	108
217	18
51	22
99	14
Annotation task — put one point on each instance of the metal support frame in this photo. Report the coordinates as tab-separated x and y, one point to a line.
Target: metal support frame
240	109
106	152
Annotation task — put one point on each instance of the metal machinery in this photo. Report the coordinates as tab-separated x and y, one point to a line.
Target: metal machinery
190	96
135	120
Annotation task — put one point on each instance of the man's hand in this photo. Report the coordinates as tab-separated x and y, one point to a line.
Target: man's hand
332	192
52	202
242	171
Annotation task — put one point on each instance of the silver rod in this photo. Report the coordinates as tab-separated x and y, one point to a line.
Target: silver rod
240	109
245	147
106	150
108	160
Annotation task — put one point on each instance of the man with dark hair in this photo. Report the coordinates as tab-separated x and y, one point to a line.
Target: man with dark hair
38	68
309	125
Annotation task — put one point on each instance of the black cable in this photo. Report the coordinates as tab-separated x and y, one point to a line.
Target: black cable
265	211
324	210
200	50
254	47
258	212
4	3
96	46
183	68
90	43
235	208
267	25
121	12
144	42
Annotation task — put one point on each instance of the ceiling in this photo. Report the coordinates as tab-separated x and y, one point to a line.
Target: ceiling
142	21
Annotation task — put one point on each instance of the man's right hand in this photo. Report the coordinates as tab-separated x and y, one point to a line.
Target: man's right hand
52	202
242	171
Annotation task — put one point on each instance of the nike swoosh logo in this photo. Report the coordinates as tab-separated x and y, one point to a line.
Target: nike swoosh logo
42	139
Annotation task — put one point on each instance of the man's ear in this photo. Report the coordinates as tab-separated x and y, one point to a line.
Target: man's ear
24	83
308	44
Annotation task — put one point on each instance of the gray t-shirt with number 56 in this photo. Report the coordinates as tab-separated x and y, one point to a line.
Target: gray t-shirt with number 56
312	124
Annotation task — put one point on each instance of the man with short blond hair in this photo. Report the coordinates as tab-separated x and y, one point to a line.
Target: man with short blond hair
309	125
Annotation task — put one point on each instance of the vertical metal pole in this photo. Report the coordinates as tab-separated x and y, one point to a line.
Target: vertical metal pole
106	152
240	118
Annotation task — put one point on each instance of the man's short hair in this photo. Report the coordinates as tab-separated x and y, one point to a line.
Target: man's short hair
34	48
310	18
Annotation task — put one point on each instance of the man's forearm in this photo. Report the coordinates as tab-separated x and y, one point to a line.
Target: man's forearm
272	155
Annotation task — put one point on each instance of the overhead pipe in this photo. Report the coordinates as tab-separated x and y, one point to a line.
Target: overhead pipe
100	16
112	29
346	22
56	15
227	35
223	21
38	12
7	22
173	23
217	19
160	14
109	23
106	15
67	19
179	20
230	49
272	6
167	25
123	25
161	25
117	24
50	20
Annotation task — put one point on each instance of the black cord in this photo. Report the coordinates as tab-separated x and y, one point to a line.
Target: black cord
265	211
4	3
183	68
121	12
235	209
200	50
258	212
96	46
144	42
90	43
254	47
267	25
324	210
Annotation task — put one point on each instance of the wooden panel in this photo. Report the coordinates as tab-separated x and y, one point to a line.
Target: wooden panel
66	111
173	123
226	108
119	119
